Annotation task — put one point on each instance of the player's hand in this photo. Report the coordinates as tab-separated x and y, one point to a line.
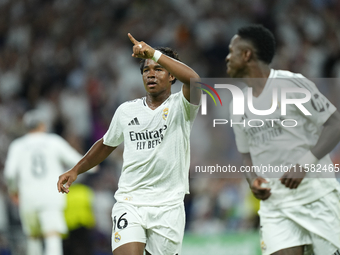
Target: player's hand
65	181
260	192
141	49
293	177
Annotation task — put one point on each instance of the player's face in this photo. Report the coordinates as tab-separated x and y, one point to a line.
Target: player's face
156	79
236	65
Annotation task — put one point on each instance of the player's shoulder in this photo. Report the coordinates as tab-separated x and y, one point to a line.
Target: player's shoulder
27	138
176	100
17	142
286	74
285	78
131	103
52	138
176	95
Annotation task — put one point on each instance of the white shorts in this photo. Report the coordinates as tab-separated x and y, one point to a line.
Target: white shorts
161	228
316	224
39	223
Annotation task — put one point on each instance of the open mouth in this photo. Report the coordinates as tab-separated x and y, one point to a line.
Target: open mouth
151	84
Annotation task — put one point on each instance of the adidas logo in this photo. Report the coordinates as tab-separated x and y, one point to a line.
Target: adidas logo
134	122
337	252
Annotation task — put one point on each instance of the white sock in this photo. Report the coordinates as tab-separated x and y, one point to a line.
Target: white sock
53	245
34	246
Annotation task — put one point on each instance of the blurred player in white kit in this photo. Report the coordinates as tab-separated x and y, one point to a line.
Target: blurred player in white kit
33	164
299	211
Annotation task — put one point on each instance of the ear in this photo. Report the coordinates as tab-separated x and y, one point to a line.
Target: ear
247	55
171	78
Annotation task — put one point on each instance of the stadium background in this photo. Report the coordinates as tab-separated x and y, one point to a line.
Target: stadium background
72	59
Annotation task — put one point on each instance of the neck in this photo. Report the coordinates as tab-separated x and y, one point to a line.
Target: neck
154	101
39	129
257	77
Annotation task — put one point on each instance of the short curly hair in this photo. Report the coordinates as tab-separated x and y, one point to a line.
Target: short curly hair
262	39
166	51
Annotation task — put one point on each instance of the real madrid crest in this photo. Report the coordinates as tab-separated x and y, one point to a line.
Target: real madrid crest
165	113
117	237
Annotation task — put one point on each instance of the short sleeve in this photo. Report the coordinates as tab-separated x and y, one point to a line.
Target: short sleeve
114	135
190	110
319	106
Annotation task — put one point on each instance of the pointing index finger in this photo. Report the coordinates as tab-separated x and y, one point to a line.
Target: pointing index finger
132	39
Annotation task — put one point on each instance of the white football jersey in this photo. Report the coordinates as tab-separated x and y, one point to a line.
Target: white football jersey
156	150
271	142
34	163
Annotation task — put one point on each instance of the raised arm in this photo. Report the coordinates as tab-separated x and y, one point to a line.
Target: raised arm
96	154
181	71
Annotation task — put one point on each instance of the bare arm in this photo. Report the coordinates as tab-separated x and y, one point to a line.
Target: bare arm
178	69
329	137
255	181
183	73
97	153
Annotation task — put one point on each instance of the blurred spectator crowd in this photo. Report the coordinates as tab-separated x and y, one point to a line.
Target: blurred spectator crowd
72	60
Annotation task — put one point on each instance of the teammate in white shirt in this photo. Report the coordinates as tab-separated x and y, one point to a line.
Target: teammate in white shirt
149	213
298	211
33	164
